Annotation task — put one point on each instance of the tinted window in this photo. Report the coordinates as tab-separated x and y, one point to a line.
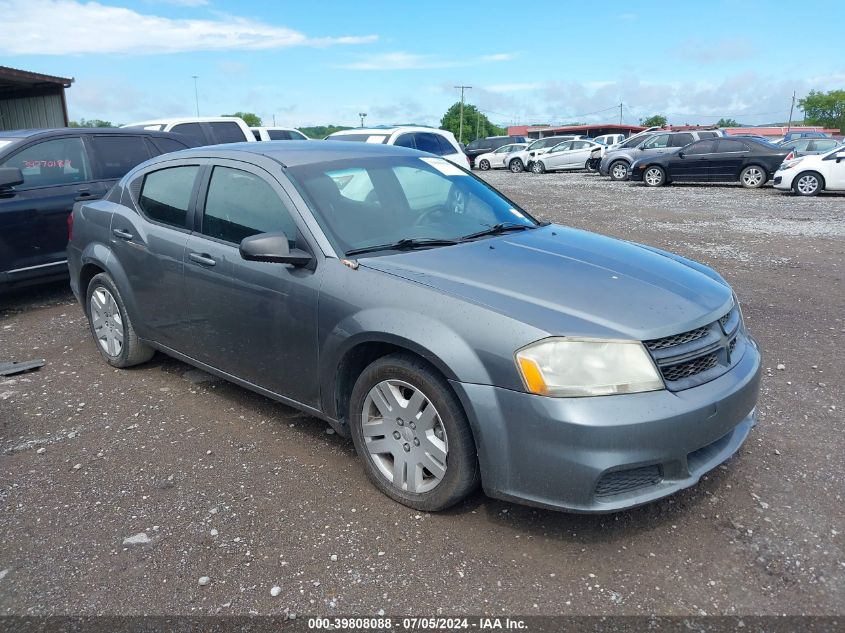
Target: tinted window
58	162
634	142
427	143
279	135
474	145
227	132
655	142
405	140
681	140
297	136
731	145
256	134
116	155
166	194
192	130
240	204
708	134
166	145
366	138
445	146
701	147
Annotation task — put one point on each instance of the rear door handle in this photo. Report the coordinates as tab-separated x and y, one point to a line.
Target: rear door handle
84	194
124	235
202	259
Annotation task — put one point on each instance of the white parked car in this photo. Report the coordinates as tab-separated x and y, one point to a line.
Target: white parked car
426	139
808	175
522	160
609	139
277	134
567	155
496	159
202	130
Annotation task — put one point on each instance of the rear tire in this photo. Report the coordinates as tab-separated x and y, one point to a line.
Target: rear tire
618	170
484	165
808	183
753	177
111	326
516	166
537	167
405	419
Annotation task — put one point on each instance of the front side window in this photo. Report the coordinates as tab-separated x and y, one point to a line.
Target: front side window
279	135
657	142
561	147
405	140
118	154
61	161
633	142
822	145
240	204
411	198
227	132
166	194
192	130
681	140
701	147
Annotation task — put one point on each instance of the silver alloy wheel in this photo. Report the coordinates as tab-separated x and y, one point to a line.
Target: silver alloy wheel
515	166
619	171
808	184
404	436
753	177
106	321
653	176
484	165
537	167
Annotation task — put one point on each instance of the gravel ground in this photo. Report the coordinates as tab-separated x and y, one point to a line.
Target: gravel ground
160	490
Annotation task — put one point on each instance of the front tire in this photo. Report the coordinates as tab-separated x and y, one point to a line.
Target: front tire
654	176
537	167
111	326
516	166
618	170
807	183
753	177
412	434
484	165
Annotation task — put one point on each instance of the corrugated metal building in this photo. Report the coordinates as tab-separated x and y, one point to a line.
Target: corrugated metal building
32	100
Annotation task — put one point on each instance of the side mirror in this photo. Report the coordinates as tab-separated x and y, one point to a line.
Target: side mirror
840	155
273	247
680	153
10	176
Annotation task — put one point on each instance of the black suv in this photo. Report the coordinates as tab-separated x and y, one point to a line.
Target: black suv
483	145
43	173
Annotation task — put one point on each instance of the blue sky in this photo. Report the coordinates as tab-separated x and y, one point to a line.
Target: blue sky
310	63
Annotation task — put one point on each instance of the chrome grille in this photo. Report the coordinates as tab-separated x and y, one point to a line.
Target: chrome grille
690	368
677	339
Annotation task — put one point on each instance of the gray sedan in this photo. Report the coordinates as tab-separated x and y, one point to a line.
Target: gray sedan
457	340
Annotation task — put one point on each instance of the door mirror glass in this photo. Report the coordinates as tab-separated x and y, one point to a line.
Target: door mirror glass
10	176
272	247
840	155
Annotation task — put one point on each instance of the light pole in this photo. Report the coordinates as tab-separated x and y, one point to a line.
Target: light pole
461	132
363	116
196	94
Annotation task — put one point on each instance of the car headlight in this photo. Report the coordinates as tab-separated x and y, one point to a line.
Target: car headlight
572	367
790	164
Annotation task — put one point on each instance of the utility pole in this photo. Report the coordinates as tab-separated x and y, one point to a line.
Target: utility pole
461	132
363	116
791	108
196	94
620	113
477	122
274	120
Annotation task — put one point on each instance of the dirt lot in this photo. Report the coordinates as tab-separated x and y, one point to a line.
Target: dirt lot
222	483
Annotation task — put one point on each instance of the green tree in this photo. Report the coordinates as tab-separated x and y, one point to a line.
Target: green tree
91	123
723	122
654	120
251	119
476	125
824	108
322	131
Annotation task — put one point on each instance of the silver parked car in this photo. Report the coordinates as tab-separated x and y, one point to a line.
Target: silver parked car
616	162
566	155
457	340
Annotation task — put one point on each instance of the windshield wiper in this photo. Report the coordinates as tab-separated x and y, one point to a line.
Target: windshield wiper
497	229
403	245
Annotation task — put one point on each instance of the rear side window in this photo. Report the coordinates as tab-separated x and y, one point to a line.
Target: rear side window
297	136
117	154
445	146
62	161
681	140
165	145
166	194
240	204
427	143
702	147
708	134
227	132
731	145
193	131
279	135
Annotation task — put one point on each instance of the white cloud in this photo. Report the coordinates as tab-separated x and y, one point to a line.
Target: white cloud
181	3
498	57
515	87
400	60
67	27
726	49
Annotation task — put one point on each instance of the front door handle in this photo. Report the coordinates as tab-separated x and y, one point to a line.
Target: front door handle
84	193
202	259
124	235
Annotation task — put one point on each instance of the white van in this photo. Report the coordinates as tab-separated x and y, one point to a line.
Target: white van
202	130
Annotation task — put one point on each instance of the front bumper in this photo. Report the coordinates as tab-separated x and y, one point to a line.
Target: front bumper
783	179
603	454
635	173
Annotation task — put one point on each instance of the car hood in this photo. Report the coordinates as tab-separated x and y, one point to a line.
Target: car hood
570	282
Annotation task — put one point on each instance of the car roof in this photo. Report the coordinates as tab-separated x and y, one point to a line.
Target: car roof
82	130
185	119
388	130
296	153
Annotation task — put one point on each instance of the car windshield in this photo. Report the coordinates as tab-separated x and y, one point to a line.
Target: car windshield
365	202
